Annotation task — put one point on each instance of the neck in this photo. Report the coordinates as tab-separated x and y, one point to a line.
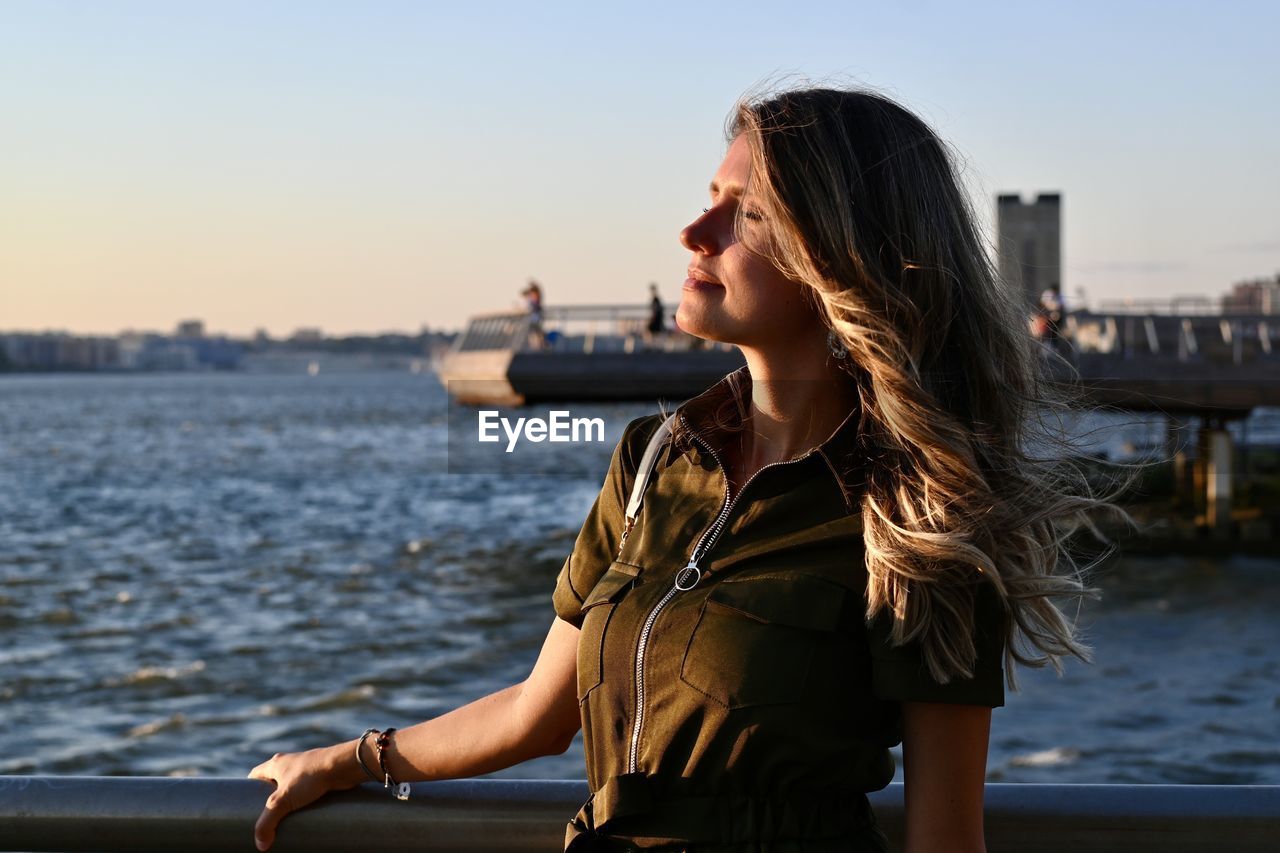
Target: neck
798	399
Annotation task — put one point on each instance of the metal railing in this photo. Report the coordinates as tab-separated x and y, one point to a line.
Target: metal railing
497	816
1181	305
574	328
494	331
1217	338
1227	340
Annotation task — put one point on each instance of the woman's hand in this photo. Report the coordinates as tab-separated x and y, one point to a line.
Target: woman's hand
539	716
300	778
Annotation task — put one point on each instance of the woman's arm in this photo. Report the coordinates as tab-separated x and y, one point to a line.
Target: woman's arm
538	717
944	768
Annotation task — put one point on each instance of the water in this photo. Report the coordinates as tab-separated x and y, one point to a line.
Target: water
197	571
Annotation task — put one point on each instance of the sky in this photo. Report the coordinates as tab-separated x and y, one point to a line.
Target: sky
377	166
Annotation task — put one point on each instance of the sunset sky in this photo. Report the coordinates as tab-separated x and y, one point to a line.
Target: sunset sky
382	166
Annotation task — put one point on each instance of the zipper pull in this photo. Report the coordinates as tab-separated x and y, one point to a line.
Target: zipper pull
626	531
688	577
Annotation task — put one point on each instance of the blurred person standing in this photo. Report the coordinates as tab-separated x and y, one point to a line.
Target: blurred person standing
657	321
533	305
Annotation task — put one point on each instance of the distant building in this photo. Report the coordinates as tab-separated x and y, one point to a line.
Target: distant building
1029	240
190	329
1260	296
308	335
59	351
47	351
146	351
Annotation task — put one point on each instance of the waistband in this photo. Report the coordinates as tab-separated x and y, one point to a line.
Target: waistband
627	807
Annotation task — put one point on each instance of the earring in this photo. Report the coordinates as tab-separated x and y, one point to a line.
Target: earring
835	345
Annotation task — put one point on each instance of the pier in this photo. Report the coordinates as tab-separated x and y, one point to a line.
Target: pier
586	353
1199	369
1220	366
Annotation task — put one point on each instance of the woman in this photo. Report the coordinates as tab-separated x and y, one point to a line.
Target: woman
844	546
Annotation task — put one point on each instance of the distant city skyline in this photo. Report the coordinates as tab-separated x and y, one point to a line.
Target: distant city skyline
370	168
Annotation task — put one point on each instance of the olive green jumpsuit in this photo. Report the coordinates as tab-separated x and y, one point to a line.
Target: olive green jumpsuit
753	710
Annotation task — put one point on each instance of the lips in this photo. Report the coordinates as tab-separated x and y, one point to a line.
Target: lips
699	280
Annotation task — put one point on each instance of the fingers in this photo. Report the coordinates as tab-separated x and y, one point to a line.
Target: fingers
299	779
264	831
262	772
266	770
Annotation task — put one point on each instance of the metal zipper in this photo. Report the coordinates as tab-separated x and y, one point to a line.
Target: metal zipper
682	584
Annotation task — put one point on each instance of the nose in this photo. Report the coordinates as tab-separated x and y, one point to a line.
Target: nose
699	235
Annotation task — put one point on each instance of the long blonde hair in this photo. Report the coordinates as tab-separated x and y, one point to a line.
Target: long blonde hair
867	210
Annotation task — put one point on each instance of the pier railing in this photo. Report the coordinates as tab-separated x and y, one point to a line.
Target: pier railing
498	816
574	329
1221	339
1186	305
1124	334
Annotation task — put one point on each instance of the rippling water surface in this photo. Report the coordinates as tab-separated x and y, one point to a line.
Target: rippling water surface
197	571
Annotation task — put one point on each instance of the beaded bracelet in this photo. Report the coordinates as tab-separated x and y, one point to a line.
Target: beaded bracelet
401	789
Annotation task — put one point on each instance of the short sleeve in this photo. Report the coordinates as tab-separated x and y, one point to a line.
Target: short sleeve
597	541
900	674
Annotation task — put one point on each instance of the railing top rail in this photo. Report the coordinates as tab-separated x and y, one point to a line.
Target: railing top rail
572	312
495	315
1206	317
588	312
139	813
1190	304
561	313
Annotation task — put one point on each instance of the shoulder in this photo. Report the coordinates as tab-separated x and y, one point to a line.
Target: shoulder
600	537
635	438
636	434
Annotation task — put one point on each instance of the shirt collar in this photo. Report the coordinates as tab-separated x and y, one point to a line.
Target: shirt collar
840	450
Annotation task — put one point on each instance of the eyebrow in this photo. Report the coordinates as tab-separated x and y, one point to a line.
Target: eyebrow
731	189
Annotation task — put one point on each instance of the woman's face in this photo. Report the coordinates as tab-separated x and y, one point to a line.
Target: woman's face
732	294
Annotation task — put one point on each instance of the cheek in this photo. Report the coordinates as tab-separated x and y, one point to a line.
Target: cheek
769	291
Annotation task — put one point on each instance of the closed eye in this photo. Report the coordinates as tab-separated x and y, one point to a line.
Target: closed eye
747	213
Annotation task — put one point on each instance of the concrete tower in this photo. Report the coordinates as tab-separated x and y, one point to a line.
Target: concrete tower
1029	241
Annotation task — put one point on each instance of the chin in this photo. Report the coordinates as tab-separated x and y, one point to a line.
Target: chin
700	324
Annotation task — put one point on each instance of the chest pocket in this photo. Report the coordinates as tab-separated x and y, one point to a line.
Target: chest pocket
755	638
597	611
